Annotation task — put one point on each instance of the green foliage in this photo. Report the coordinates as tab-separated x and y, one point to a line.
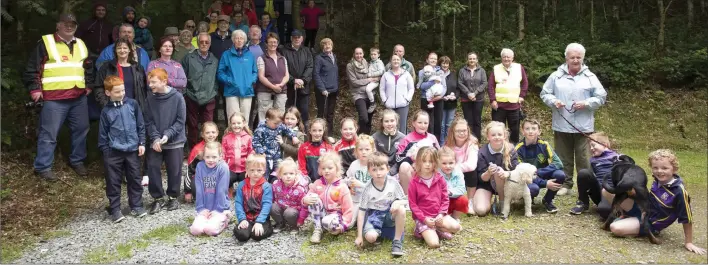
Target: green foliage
442	9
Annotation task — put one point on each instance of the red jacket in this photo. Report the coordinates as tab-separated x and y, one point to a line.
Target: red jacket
428	202
230	143
346	151
252	17
307	157
312	17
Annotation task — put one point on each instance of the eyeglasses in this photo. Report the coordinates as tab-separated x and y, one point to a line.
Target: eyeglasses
191	26
203	42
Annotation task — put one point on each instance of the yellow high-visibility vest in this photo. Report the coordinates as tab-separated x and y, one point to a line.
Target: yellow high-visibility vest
508	84
63	70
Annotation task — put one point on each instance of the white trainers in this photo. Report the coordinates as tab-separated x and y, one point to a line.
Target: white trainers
562	192
145	181
470	208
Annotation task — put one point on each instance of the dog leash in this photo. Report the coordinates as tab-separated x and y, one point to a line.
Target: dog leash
578	130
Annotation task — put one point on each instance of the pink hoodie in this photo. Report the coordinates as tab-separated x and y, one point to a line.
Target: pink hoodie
428	202
291	196
467	157
237	163
336	198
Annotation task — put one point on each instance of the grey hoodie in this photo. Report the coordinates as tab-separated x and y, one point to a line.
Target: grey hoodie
165	116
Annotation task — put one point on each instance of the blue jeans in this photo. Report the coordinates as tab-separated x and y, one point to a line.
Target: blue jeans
558	176
448	116
53	115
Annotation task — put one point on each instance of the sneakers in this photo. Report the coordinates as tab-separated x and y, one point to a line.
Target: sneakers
562	191
431	105
172	204
117	216
579	208
550	208
47	175
145	181
80	169
316	236
470	208
397	248
372	108
156	206
138	212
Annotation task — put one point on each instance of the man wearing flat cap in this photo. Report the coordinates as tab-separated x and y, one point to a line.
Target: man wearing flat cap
55	74
300	65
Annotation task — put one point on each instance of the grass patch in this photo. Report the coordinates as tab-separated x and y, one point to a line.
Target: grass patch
126	250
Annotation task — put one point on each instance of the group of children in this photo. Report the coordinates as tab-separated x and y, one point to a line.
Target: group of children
363	182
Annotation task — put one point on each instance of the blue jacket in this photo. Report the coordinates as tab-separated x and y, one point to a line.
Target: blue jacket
455	183
584	86
121	127
108	55
326	73
237	72
265	203
542	156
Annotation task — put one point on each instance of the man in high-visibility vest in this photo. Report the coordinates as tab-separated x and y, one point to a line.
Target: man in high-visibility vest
55	74
507	89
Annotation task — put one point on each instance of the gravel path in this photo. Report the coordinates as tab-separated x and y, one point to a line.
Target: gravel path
93	233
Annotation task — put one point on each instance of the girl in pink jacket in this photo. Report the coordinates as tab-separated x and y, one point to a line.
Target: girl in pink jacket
288	191
465	145
329	200
237	144
429	201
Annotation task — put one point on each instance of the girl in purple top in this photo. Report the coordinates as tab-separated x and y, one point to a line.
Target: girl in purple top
212	183
175	73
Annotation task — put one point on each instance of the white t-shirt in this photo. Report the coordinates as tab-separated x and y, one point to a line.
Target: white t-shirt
361	173
381	200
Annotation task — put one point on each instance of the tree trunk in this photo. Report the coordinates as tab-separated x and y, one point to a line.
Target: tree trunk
479	17
592	19
499	14
494	14
329	29
296	15
544	14
454	35
377	23
416	10
662	24
555	9
703	6
442	33
689	10
522	30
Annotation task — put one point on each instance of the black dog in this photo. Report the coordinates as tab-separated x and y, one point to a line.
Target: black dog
629	181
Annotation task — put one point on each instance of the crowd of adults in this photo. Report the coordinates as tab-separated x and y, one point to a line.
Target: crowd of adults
232	58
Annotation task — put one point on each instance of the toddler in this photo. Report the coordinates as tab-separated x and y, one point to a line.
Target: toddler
376	70
253	201
143	37
288	191
265	142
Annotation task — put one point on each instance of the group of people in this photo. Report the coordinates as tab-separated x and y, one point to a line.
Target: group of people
288	168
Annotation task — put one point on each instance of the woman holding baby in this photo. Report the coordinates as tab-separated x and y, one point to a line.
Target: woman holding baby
425	82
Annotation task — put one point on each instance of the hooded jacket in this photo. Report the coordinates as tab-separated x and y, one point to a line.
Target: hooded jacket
584	86
358	76
220	44
291	196
253	202
201	77
242	26
143	36
116	29
308	156
231	142
300	66
336	198
165	116
326	73
388	144
140	88
95	32
238	72
396	92
121	127
427	201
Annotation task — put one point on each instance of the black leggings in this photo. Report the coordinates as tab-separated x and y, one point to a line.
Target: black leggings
242	235
590	189
472	111
327	112
310	37
512	118
362	109
471	179
301	102
435	113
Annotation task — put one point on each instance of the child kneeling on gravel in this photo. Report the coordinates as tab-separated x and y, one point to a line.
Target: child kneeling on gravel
211	183
329	200
121	138
288	191
253	200
382	207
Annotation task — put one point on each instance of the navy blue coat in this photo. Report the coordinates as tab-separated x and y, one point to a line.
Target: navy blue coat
326	74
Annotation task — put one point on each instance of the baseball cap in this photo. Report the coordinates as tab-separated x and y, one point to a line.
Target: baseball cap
67	17
296	33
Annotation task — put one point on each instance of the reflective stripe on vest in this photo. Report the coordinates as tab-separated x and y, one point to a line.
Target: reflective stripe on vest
63	70
508	84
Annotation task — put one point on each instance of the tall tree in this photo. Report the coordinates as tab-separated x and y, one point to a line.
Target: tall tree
377	23
522	30
662	22
689	11
296	15
592	19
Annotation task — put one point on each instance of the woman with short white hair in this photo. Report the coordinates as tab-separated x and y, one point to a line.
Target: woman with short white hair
507	88
237	73
574	94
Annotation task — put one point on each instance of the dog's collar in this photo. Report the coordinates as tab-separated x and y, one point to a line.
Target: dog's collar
511	180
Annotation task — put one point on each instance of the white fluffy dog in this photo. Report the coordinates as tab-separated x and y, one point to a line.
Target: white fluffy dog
516	187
